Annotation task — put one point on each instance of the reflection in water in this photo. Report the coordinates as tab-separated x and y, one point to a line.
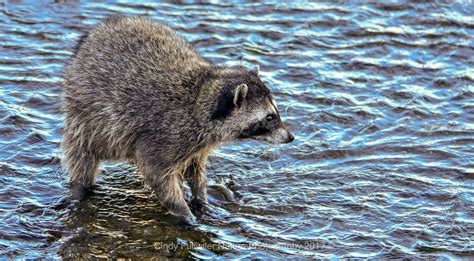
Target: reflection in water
379	96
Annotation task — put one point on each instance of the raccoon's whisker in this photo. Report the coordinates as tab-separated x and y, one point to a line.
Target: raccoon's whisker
277	151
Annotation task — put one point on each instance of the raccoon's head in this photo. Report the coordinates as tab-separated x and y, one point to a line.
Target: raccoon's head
248	110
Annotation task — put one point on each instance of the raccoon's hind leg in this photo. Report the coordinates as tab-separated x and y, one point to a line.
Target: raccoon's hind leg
83	169
82	166
196	177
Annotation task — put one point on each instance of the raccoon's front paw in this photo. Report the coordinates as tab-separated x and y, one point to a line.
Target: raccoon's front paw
197	204
203	209
184	219
181	214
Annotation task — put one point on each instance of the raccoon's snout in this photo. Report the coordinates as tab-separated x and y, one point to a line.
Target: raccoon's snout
291	137
280	135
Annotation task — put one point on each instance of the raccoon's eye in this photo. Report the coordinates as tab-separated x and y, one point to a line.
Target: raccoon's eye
269	118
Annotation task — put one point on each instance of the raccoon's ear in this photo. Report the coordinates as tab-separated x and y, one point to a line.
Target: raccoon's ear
239	94
228	100
256	69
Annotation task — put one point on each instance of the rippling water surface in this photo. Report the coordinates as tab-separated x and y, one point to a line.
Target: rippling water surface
380	96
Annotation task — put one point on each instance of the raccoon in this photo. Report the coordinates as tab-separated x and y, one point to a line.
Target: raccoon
136	91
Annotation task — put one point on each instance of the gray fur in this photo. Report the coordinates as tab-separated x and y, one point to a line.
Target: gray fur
136	91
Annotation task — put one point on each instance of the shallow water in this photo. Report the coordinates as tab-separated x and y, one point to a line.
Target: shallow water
380	97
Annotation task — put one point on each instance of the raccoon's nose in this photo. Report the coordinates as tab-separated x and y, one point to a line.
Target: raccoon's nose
291	137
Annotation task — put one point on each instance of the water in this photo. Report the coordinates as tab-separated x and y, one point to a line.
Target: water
380	97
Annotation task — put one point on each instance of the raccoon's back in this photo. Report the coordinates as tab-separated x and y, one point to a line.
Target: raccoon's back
131	61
